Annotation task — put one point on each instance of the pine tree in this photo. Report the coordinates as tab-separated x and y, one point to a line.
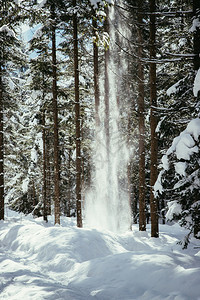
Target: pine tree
9	60
77	116
178	181
52	14
176	71
55	116
153	120
141	95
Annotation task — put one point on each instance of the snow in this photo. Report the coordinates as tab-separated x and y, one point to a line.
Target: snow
39	141
193	128
196	87
165	162
38	33
34	155
158	184
173	89
25	184
95	3
174	208
195	25
180	168
42	3
41	261
184	144
159	124
185	147
7	30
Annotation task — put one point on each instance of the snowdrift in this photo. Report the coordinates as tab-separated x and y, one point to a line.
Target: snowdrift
41	261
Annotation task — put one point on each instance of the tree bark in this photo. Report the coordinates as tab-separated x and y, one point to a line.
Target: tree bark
48	174
55	116
196	13
1	151
69	194
96	73
77	119
129	127
153	122
142	216
106	92
44	168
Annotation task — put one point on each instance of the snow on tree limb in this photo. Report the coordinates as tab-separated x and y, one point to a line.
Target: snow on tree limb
95	3
195	25
7	30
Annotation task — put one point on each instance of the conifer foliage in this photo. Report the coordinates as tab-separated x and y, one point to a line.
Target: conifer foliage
178	181
10	62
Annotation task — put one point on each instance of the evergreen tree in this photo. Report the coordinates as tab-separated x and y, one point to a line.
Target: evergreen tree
10	60
52	14
153	120
77	118
141	112
178	181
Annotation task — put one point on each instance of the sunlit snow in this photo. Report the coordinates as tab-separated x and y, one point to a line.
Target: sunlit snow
40	261
184	144
174	208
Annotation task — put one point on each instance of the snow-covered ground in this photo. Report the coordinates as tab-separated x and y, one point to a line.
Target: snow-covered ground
41	261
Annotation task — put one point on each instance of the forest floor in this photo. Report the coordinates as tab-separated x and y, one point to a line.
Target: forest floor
41	261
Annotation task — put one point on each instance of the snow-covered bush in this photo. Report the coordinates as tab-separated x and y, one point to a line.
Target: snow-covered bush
179	180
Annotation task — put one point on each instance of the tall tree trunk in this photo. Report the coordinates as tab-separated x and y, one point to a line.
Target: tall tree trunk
77	116
69	194
48	174
96	73
153	122
55	116
44	167
142	216
107	108
196	13
106	92
129	164
1	151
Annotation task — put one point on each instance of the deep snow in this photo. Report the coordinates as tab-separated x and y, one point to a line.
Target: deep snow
41	261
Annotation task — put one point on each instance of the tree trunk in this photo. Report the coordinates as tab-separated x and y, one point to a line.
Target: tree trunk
196	13
153	122
129	165
142	217
55	116
77	116
1	151
96	73
44	168
69	194
106	93
48	174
